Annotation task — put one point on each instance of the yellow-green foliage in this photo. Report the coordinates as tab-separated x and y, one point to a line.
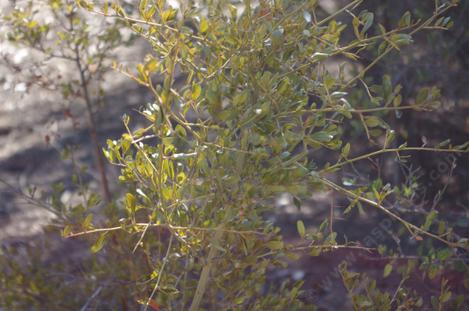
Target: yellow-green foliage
243	106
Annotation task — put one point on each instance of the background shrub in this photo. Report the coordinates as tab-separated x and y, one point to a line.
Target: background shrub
252	101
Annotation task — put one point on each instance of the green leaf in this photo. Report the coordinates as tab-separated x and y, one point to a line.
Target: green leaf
275	245
196	91
148	14
429	219
180	130
168	15
444	143
365	303
142	6
98	245
130	201
368	18
356	24
318	56
67	230
405	20
323	225
300	226
84	4
142	73
151	65
87	222
345	151
397	100
372	121
444	254
331	238
401	39
93	200
445	297
387	270
240	98
316	251
31	24
203	27
322	136
277	34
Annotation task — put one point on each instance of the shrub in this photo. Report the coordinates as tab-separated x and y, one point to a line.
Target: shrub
245	107
56	32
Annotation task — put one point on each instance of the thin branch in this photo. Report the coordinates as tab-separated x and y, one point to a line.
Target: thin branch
388	150
424	25
167	226
351	5
95	294
321	247
31	199
160	273
407	224
351	110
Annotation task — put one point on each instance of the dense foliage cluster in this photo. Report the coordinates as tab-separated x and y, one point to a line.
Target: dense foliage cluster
248	101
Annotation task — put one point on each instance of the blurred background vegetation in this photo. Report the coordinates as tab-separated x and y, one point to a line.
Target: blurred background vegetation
36	127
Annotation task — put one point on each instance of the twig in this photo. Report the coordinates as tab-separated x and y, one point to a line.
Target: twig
95	294
388	150
167	226
31	199
397	290
160	273
407	224
324	246
390	48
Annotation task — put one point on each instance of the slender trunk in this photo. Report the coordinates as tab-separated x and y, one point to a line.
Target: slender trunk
93	132
205	274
